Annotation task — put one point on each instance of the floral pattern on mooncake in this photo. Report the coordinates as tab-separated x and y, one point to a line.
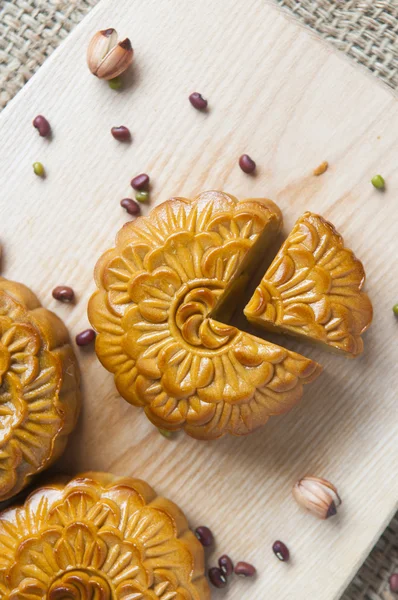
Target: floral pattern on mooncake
313	289
153	311
99	537
39	387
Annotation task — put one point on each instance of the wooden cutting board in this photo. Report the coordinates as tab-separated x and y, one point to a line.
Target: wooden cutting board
290	102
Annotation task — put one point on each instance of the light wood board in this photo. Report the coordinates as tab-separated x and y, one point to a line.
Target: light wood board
287	100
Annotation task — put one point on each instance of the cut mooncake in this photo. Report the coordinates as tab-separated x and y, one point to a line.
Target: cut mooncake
157	292
39	387
313	289
98	537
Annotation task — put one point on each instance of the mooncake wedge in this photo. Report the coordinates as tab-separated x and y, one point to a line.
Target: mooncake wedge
313	289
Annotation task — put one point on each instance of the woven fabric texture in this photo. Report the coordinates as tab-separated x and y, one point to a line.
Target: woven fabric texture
29	32
371	582
366	30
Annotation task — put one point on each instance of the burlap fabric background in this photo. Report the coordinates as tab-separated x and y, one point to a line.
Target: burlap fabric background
365	30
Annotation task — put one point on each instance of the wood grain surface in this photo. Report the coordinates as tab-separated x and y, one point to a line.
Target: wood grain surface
285	99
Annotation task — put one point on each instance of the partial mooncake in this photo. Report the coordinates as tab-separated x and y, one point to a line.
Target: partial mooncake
39	387
313	289
157	292
99	537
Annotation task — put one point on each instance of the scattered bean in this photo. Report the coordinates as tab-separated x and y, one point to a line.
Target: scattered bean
244	569
281	551
226	565
131	206
217	578
393	581
166	433
321	169
42	125
63	293
205	536
142	196
121	133
116	83
86	337
378	182
198	101
395	309
38	169
140	182
247	164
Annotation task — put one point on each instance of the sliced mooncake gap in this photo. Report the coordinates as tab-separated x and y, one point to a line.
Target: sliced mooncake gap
254	258
313	289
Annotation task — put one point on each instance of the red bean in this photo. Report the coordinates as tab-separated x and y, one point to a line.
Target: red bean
63	293
217	578
140	182
226	565
393	581
86	337
42	125
244	569
205	536
281	551
247	164
121	133
131	206
198	101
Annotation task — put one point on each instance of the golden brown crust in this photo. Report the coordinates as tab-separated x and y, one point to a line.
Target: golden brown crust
99	536
313	289
157	291
39	387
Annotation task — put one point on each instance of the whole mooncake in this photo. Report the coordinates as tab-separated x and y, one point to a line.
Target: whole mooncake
39	387
99	537
158	290
313	289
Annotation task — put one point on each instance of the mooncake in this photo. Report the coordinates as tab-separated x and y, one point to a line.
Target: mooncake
98	537
313	289
153	311
39	387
